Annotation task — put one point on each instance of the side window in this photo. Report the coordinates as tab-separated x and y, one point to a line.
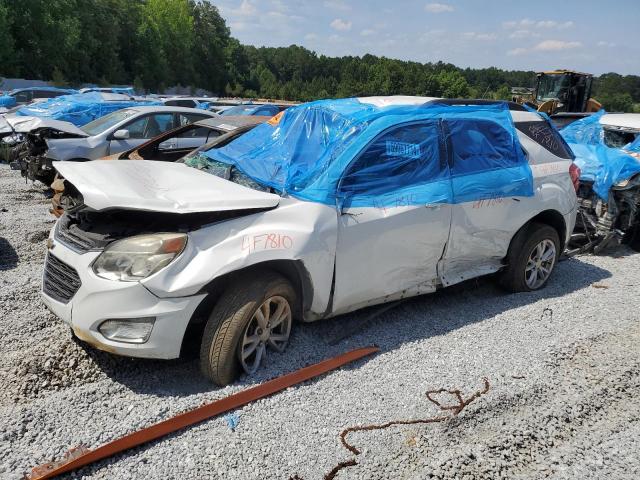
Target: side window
542	133
46	94
201	132
23	97
405	156
479	145
150	126
187	118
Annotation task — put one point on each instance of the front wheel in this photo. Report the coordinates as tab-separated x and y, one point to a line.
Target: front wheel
532	257
254	315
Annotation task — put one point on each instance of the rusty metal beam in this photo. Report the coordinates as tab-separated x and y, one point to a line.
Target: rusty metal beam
80	457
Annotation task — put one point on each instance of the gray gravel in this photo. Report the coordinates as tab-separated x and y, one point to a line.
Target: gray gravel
563	365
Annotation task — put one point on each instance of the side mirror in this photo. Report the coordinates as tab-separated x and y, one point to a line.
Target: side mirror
121	134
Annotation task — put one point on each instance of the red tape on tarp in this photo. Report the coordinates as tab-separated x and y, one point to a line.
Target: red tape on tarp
80	457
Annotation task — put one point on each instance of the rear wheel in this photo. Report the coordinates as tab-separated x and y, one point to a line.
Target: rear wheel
253	316
532	256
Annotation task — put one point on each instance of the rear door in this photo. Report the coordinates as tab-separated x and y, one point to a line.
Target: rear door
394	221
488	180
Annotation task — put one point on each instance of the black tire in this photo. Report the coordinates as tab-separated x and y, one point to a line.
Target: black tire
512	278
634	240
225	327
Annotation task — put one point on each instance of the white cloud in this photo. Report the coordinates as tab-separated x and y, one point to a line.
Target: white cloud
602	43
517	51
527	23
555	45
523	34
246	9
278	16
341	25
554	24
366	32
480	36
337	5
311	36
545	46
438	8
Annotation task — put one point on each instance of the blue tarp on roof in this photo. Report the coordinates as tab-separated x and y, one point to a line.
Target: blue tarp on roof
600	164
9	101
80	108
449	154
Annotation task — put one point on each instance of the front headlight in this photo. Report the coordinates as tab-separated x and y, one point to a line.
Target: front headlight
135	258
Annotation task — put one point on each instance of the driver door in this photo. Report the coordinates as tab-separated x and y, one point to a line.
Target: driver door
141	130
394	219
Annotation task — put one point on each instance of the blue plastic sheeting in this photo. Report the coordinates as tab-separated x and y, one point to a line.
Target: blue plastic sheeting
251	109
7	101
384	156
79	109
68	91
598	163
122	90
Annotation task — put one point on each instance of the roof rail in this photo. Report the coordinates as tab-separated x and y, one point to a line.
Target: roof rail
459	101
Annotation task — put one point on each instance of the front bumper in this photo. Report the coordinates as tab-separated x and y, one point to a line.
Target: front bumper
99	299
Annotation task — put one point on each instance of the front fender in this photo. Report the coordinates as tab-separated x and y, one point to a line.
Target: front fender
70	148
295	230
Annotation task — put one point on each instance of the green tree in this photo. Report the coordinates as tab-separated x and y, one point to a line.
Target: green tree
616	102
211	37
7	54
452	84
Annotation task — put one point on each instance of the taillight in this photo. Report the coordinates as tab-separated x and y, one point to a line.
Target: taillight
575	172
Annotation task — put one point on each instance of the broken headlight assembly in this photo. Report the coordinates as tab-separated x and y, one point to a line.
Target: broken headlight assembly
135	258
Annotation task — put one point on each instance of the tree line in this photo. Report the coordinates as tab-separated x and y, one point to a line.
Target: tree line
154	44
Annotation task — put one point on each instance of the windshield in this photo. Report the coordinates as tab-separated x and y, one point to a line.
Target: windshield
101	124
239	110
229	172
552	87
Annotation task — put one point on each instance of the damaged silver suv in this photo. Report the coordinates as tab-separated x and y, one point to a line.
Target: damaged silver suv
329	207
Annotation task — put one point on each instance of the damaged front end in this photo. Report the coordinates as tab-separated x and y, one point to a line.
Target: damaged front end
25	142
30	155
608	156
83	229
601	223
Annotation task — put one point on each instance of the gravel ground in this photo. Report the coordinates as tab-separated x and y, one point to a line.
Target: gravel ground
563	365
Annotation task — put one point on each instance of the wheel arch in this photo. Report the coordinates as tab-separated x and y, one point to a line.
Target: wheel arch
550	217
293	270
554	219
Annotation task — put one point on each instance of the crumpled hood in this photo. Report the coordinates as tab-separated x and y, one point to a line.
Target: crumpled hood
27	124
158	186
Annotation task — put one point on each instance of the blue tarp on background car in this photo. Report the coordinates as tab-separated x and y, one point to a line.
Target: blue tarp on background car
81	108
448	154
600	164
7	101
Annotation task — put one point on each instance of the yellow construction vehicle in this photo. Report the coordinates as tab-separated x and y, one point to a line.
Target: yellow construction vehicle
560	91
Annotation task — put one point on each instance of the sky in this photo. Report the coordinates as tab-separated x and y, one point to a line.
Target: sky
591	36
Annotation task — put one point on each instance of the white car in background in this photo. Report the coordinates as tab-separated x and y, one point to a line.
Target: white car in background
157	254
620	129
116	132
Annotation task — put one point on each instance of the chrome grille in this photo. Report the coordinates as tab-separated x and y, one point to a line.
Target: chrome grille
60	281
